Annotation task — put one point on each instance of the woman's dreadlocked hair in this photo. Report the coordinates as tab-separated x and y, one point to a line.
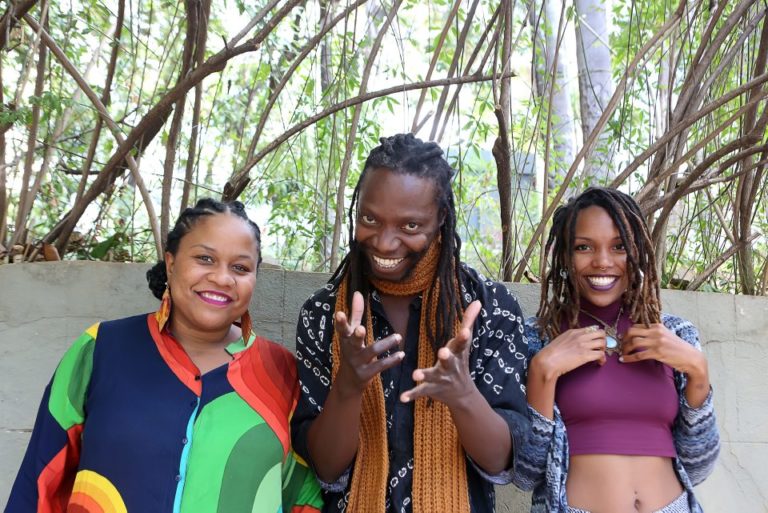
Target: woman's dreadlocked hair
405	154
642	295
156	276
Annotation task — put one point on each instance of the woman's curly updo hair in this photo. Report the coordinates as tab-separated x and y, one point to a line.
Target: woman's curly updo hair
156	276
642	295
406	154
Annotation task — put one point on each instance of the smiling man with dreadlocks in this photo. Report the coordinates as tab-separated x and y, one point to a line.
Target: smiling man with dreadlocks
412	364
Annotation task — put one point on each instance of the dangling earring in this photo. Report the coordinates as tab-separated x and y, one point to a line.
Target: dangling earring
246	326
564	274
164	312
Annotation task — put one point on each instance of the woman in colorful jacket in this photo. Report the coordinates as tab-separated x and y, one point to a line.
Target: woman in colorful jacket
619	393
180	410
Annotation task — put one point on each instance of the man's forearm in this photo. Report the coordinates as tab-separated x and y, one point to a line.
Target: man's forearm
484	434
333	437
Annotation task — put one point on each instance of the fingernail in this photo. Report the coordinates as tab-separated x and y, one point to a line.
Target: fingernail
621	359
401	354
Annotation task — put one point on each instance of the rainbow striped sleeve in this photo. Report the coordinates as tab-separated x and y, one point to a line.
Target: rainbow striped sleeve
301	491
45	479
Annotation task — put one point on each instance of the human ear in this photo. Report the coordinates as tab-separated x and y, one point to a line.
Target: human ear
169	261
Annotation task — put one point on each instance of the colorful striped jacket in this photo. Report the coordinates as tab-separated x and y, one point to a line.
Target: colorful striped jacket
128	424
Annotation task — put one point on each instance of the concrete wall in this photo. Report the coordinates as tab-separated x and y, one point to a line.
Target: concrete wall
44	306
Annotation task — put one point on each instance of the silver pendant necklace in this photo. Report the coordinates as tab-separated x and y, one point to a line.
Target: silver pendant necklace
612	338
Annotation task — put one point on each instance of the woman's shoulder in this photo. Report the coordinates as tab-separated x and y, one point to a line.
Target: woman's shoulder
682	328
124	328
273	350
672	321
269	360
132	321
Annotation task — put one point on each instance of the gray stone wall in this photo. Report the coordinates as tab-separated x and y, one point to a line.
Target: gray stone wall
44	306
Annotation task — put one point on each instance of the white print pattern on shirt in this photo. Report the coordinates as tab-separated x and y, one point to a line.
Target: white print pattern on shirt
498	352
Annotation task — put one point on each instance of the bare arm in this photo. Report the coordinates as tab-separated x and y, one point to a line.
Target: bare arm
540	388
483	433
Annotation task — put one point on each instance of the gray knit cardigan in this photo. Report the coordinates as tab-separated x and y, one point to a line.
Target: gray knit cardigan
542	463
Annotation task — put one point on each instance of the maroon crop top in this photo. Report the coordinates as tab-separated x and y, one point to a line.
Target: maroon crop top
619	408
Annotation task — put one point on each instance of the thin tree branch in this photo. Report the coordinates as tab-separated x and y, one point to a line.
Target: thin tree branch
24	206
308	47
433	62
202	38
711	268
470	62
106	97
153	120
11	17
239	180
660	34
684	123
352	133
457	54
501	151
70	68
171	142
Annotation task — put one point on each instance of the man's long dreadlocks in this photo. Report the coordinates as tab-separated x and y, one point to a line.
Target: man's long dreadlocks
404	153
642	295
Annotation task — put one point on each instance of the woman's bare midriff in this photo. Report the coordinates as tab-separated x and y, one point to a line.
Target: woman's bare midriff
612	483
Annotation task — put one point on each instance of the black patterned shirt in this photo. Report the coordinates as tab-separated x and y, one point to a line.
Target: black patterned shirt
498	357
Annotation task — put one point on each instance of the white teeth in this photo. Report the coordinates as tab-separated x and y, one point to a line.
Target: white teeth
387	263
601	281
214	297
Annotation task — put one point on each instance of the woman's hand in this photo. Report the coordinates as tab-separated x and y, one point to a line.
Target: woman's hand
570	350
360	363
657	342
448	381
566	352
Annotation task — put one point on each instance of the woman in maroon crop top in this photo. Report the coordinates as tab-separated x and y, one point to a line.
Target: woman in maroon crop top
612	369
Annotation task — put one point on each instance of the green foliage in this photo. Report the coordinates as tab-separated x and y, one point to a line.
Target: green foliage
102	249
12	116
293	189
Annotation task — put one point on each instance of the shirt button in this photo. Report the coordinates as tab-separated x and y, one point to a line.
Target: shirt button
177	478
197	378
184	440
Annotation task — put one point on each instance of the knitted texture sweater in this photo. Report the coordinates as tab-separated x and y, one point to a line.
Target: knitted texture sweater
543	461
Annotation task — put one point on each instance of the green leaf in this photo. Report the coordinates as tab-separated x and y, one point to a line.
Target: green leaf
101	249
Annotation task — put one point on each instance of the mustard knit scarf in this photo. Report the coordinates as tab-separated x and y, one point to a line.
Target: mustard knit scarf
440	473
